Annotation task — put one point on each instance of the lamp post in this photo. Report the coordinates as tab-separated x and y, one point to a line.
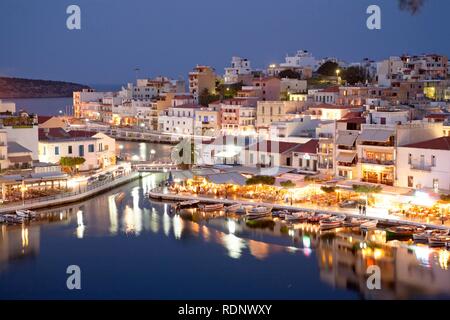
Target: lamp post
23	189
338	71
152	153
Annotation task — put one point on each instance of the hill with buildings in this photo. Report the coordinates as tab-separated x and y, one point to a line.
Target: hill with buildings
30	88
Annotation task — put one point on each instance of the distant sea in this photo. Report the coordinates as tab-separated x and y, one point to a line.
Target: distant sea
54	106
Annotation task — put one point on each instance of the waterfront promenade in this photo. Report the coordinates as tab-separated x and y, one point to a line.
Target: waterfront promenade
159	193
74	196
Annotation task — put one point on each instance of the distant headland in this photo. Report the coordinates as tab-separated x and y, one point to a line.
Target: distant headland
30	88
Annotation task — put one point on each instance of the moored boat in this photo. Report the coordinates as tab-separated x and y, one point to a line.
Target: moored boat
439	241
233	207
211	207
354	222
332	222
402	232
12	218
25	213
316	217
187	204
425	235
259	212
370	224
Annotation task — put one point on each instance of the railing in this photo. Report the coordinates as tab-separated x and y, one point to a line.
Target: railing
378	161
420	167
346	164
81	190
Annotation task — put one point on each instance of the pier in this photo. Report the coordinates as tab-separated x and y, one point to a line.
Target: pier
158	194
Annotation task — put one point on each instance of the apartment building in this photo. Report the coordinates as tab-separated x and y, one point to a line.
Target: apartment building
179	119
240	71
268	112
200	79
425	165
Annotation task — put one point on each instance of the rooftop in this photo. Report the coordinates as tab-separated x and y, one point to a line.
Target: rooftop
442	143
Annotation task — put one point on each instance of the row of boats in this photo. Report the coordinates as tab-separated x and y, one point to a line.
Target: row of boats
420	234
20	216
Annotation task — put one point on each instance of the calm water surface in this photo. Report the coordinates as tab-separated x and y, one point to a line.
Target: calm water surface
130	247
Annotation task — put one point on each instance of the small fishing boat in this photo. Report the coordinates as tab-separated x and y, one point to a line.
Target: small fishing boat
233	207
402	232
331	223
439	241
424	236
259	212
25	213
280	213
316	217
243	209
13	219
370	224
301	215
211	207
2	219
354	222
188	204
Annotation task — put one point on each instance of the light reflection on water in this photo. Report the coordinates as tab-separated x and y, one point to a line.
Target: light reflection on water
340	258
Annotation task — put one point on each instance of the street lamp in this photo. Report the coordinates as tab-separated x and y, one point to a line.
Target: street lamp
337	75
152	153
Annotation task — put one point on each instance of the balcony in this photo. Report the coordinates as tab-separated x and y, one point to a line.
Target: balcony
342	147
378	161
346	164
420	167
387	182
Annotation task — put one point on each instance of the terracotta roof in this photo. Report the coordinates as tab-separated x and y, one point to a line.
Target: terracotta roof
271	146
42	119
353	114
61	134
308	147
442	143
353	120
437	116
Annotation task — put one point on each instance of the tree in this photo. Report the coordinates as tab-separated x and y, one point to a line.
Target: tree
328	68
287	184
328	189
69	163
354	75
367	190
291	74
206	97
267	180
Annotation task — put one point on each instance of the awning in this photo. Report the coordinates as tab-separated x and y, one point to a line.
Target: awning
20	159
375	135
227	178
229	152
346	157
346	138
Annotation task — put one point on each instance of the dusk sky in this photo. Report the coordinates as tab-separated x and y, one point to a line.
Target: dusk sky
170	37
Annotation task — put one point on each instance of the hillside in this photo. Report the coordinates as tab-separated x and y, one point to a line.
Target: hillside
28	88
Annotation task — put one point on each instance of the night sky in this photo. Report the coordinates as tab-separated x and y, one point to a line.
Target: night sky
169	37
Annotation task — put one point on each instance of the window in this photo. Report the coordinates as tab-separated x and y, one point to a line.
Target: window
436	185
56	151
69	149
91	148
81	150
433	161
410	181
409	158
